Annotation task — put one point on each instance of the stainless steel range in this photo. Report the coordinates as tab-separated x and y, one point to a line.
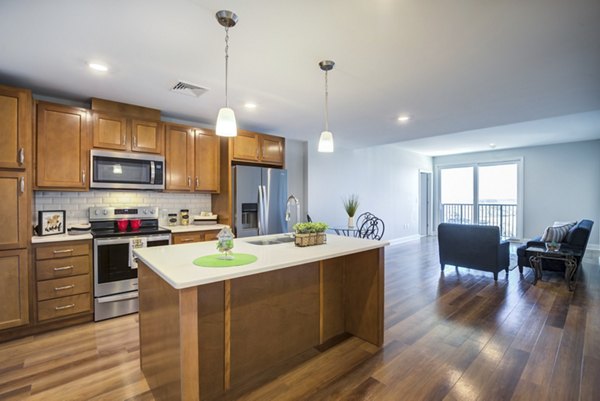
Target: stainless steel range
116	232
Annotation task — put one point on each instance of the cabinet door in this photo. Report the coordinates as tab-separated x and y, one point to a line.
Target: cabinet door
147	136
179	158
62	144
15	127
245	146
14	196
271	149
110	131
14	297
206	161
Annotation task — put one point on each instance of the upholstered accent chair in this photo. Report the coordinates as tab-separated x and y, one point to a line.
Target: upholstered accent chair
473	246
576	239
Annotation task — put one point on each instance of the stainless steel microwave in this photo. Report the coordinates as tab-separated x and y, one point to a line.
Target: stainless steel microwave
123	170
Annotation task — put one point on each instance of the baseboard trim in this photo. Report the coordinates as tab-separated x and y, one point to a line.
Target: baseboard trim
402	240
593	247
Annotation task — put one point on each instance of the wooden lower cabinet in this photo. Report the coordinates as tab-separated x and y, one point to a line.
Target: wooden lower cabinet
14	284
194	236
63	280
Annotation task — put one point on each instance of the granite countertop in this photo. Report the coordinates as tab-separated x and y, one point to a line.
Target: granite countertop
193	227
174	263
59	238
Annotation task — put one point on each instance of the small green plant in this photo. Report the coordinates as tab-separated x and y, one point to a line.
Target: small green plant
306	228
351	205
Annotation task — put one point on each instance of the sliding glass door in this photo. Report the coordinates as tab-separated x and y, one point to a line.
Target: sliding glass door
482	193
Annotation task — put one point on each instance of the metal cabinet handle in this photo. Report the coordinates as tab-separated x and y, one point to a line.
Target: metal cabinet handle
22	185
197	182
21	156
64	307
187	240
63	251
189	181
135	141
124	140
64	287
83	176
57	269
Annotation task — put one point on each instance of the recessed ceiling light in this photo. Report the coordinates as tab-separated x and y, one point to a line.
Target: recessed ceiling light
98	67
404	118
250	105
492	145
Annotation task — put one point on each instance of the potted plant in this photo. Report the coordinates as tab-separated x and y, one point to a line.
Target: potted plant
302	233
308	234
351	206
321	237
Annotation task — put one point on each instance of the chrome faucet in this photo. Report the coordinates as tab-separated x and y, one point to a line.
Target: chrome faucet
288	212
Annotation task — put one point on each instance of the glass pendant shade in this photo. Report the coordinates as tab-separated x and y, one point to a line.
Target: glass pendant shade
226	125
326	142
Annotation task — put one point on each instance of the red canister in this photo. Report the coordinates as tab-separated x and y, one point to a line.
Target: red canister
122	225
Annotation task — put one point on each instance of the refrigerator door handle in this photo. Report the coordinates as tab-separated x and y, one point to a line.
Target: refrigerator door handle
261	213
266	209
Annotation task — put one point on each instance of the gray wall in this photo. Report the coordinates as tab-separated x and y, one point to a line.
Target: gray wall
560	183
386	178
296	165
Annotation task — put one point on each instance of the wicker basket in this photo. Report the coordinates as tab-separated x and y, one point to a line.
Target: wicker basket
311	239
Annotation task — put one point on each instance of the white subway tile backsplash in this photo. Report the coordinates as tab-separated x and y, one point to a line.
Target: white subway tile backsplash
76	204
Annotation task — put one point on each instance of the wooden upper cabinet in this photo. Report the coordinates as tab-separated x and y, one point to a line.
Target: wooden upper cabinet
14	295
62	138
192	159
147	136
118	132
179	157
15	127
257	148
206	161
14	210
245	146
110	131
271	149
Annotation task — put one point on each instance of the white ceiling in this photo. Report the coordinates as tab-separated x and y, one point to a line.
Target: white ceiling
453	66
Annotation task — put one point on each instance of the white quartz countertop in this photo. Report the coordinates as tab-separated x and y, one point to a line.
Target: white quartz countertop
59	238
174	263
193	227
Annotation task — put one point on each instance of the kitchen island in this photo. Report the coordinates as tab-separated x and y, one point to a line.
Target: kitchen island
208	332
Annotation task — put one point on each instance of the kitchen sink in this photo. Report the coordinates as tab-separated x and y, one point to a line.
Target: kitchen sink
272	241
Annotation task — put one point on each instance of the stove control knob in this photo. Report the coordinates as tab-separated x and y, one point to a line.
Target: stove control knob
105	212
97	212
148	211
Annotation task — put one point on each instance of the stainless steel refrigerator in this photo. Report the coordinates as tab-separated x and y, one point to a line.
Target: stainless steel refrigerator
259	200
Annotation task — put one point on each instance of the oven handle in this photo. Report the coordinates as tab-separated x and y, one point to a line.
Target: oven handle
117	297
125	240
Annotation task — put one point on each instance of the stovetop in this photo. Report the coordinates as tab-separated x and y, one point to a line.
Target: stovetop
104	221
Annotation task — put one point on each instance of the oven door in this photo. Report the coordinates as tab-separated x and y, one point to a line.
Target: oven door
112	271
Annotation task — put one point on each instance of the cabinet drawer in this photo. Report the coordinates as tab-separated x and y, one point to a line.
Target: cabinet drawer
65	306
187	238
61	250
211	235
62	287
48	269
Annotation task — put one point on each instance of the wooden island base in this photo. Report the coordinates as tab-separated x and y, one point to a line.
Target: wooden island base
209	341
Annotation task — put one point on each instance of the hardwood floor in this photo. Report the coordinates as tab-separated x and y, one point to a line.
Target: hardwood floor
452	336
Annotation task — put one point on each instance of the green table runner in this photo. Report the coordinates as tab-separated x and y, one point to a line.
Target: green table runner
239	259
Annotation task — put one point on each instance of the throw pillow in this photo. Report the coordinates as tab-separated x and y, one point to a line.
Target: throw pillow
564	223
556	234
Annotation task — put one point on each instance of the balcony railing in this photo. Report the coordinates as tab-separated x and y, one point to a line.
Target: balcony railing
501	215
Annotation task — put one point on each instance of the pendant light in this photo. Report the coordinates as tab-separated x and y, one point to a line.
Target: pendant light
326	139
226	125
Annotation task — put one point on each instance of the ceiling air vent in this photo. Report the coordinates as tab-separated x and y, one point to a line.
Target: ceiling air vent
188	89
